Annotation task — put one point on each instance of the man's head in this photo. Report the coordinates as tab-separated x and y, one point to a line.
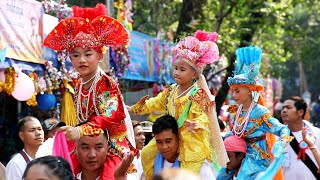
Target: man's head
30	131
92	151
294	109
165	131
50	126
236	150
138	134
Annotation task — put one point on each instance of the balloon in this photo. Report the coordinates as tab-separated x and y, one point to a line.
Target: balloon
23	88
2	76
46	101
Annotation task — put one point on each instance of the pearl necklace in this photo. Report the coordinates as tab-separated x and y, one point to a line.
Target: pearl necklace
83	83
239	128
80	115
187	90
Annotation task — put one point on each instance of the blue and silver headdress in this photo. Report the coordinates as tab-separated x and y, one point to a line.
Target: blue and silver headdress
247	66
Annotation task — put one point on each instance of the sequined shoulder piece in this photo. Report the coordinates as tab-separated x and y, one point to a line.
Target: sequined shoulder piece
110	83
203	100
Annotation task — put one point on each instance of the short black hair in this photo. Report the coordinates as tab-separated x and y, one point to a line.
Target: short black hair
164	123
22	121
299	103
55	166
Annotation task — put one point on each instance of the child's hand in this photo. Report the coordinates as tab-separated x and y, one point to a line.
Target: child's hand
192	126
308	138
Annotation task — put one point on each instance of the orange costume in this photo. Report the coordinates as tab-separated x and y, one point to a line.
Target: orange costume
101	106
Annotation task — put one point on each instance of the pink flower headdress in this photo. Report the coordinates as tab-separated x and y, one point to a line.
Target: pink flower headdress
198	50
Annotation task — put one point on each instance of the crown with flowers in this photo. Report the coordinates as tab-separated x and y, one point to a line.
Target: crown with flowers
89	28
247	66
199	50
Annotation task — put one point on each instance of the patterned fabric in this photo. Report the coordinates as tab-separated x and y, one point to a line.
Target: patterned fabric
107	114
194	148
198	50
109	108
260	123
247	66
79	32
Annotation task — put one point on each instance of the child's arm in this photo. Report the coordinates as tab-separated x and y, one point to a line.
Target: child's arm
145	106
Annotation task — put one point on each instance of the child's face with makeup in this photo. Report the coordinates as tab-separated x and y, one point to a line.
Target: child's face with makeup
85	61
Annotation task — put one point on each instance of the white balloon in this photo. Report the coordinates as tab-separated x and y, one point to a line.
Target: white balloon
23	88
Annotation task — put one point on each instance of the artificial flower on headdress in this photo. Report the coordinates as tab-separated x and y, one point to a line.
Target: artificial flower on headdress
247	66
87	32
199	50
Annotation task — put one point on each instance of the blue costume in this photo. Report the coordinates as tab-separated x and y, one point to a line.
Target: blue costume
253	127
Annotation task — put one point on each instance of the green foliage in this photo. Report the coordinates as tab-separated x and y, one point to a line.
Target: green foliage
155	17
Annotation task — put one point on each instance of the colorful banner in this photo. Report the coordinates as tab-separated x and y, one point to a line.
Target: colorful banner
142	66
150	59
21	29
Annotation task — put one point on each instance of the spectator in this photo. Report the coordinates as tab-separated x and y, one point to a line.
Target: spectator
138	134
297	167
31	134
236	149
92	155
139	139
48	167
165	131
50	126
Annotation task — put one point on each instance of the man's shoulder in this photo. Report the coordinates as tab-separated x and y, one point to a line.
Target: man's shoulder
16	159
16	167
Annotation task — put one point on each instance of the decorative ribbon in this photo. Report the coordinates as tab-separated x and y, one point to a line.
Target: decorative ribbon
303	147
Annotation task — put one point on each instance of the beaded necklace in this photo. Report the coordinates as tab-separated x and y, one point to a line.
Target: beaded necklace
83	83
82	117
240	127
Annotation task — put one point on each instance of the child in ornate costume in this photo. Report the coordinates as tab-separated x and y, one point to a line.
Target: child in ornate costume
192	105
253	122
98	101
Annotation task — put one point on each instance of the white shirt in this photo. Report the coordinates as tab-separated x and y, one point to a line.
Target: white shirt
16	167
294	169
139	168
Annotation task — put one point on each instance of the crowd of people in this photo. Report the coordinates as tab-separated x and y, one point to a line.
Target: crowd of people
187	143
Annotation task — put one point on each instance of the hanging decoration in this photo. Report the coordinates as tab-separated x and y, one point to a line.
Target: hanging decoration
60	10
1	86
10	76
23	87
46	101
119	59
33	101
